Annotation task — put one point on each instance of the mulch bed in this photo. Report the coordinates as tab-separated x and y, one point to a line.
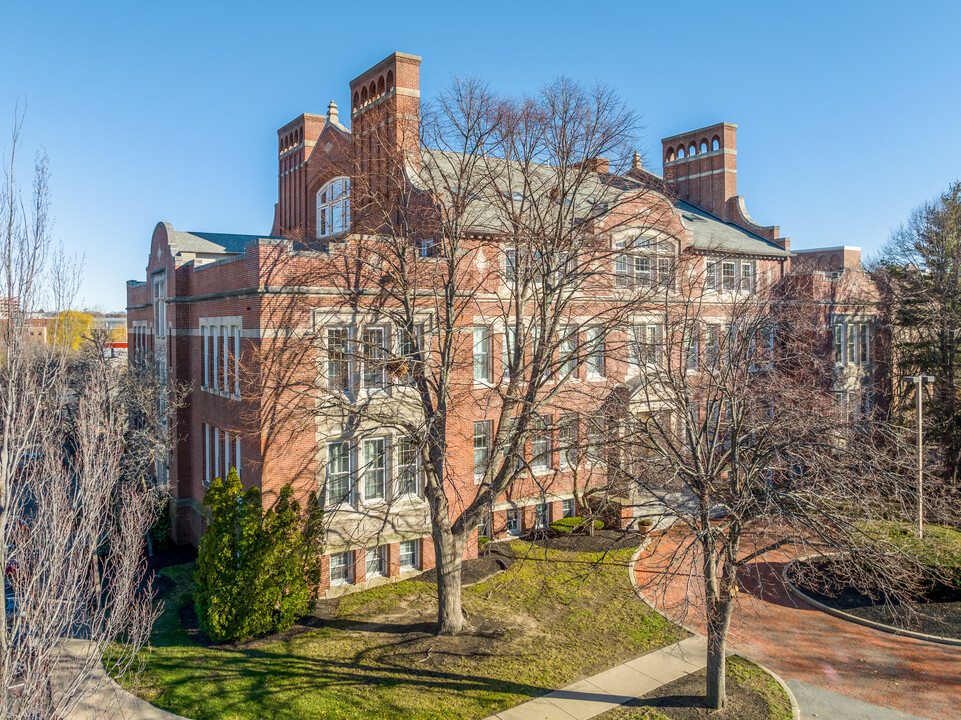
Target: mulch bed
937	613
683	699
601	541
491	559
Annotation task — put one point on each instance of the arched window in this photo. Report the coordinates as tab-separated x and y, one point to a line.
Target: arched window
703	146
715	144
333	207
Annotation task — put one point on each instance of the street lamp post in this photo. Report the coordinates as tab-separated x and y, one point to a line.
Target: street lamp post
919	380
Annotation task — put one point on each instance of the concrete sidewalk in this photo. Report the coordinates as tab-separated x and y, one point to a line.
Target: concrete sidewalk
601	692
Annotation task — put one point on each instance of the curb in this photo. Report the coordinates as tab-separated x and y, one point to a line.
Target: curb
795	708
890	629
637	591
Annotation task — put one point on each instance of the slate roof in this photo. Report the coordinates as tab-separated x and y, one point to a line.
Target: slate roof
210	243
485	211
712	233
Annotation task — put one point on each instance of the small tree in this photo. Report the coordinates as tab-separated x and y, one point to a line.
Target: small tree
255	571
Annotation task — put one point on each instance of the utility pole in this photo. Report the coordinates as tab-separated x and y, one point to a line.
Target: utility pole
919	380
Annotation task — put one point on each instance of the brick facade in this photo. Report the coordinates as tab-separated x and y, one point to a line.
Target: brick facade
225	288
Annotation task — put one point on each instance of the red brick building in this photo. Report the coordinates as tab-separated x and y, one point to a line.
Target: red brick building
209	300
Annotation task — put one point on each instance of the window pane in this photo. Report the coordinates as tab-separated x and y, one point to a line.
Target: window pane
541	443
513	522
340	568
338	358
567	440
374	354
728	275
595	349
375	469
482	352
408	467
481	446
408	554
338	472
375	561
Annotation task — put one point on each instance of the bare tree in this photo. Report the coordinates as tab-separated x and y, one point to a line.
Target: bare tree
74	507
479	281
736	431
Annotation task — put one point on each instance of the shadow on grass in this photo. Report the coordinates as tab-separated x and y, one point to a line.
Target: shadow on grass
261	683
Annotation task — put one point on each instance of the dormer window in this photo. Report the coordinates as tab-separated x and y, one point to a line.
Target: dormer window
333	207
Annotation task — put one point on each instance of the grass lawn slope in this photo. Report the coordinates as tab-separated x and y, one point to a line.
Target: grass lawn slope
549	619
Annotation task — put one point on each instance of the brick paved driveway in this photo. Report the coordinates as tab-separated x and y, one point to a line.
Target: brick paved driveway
800	642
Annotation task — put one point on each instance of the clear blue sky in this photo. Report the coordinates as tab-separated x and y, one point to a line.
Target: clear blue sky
848	114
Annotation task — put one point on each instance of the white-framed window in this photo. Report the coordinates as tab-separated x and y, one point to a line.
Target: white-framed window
567	440
748	271
482	353
728	276
160	304
375	470
665	273
482	446
208	457
542	515
409	345
541	443
509	346
864	349
338	358
410	474
333	207
513	521
220	355
339	475
595	352
567	351
643	264
851	344
410	555
691	349
646	345
374	349
712	344
838	343
710	275
511	270
375	562
340	569
567	508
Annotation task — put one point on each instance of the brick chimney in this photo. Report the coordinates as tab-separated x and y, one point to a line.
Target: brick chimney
295	142
701	167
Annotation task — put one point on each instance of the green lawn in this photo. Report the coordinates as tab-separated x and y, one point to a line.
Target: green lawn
551	618
940	547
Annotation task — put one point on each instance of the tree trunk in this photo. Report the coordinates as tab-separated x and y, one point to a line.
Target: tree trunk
718	621
448	558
